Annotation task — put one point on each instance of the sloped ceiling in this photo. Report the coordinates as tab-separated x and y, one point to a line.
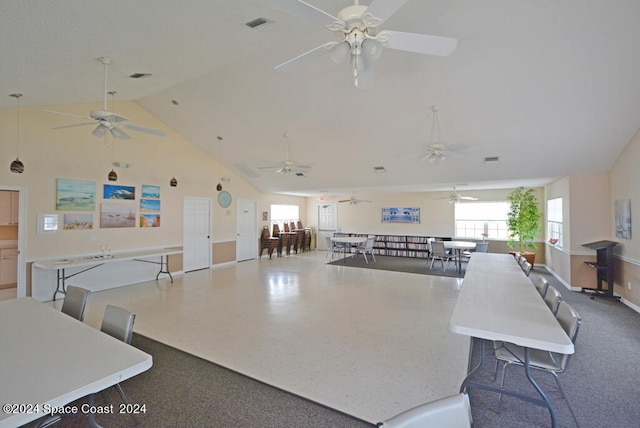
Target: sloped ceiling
549	87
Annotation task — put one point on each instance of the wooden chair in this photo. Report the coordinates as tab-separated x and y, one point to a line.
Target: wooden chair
307	239
267	242
276	234
299	224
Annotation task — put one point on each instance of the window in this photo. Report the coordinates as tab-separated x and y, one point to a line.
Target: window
554	221
475	218
284	213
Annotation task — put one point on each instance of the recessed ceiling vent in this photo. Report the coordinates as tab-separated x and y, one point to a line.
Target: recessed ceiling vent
300	174
140	75
491	159
379	169
256	22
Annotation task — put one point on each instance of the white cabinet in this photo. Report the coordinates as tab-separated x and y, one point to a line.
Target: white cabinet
8	207
8	266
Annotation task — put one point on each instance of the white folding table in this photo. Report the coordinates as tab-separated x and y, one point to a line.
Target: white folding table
499	303
34	381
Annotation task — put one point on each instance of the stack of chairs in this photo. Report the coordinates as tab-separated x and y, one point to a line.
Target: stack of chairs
268	242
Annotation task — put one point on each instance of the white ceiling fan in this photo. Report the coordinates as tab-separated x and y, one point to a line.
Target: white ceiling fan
359	38
456	197
437	152
105	120
352	201
287	166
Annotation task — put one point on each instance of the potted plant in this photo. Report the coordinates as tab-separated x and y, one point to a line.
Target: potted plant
523	221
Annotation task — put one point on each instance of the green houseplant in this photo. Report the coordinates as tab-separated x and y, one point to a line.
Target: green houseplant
523	221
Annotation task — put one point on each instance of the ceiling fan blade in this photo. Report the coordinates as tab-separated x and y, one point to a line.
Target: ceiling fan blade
99	131
306	57
382	10
304	10
74	125
68	114
450	154
422	43
119	133
141	129
468	198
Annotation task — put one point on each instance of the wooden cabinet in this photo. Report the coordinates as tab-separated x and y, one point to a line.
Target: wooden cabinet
8	266
8	207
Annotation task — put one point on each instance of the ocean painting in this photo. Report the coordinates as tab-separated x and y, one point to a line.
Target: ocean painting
117	215
150	192
75	195
149	220
401	215
119	192
78	221
149	205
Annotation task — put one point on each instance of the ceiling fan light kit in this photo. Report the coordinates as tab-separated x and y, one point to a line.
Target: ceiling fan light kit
357	26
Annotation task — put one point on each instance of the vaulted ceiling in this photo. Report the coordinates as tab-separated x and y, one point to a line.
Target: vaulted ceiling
549	87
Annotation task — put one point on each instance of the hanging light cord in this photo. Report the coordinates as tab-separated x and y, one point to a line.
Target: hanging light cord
17	97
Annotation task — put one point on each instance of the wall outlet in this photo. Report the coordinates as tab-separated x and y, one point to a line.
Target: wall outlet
92	238
629	285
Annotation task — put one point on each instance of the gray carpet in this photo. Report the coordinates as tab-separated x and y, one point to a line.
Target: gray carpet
601	381
402	264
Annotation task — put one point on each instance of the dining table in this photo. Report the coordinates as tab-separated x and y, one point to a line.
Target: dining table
348	241
458	247
499	303
50	360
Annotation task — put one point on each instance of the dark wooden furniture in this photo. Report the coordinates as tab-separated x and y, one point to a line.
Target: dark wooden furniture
604	268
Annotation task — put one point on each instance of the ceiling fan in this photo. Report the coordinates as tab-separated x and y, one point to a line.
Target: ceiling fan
437	152
456	197
360	39
105	120
287	166
353	201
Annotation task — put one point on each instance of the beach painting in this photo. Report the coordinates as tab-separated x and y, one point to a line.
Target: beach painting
112	191
401	215
149	205
149	213
75	195
150	192
78	221
150	220
117	215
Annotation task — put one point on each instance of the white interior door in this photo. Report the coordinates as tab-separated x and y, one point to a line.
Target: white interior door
246	229
327	224
196	234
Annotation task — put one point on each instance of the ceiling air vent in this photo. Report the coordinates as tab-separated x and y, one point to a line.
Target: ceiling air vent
140	75
256	22
300	174
491	159
379	169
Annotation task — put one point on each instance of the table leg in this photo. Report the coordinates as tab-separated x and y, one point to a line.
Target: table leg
90	415
469	383
164	266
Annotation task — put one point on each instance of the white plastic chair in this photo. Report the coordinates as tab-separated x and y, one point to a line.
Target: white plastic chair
440	253
449	412
367	248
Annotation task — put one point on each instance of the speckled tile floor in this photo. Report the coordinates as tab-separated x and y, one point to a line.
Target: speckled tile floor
369	343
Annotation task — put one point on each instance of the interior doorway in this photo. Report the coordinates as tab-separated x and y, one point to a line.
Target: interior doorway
246	230
12	242
196	241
